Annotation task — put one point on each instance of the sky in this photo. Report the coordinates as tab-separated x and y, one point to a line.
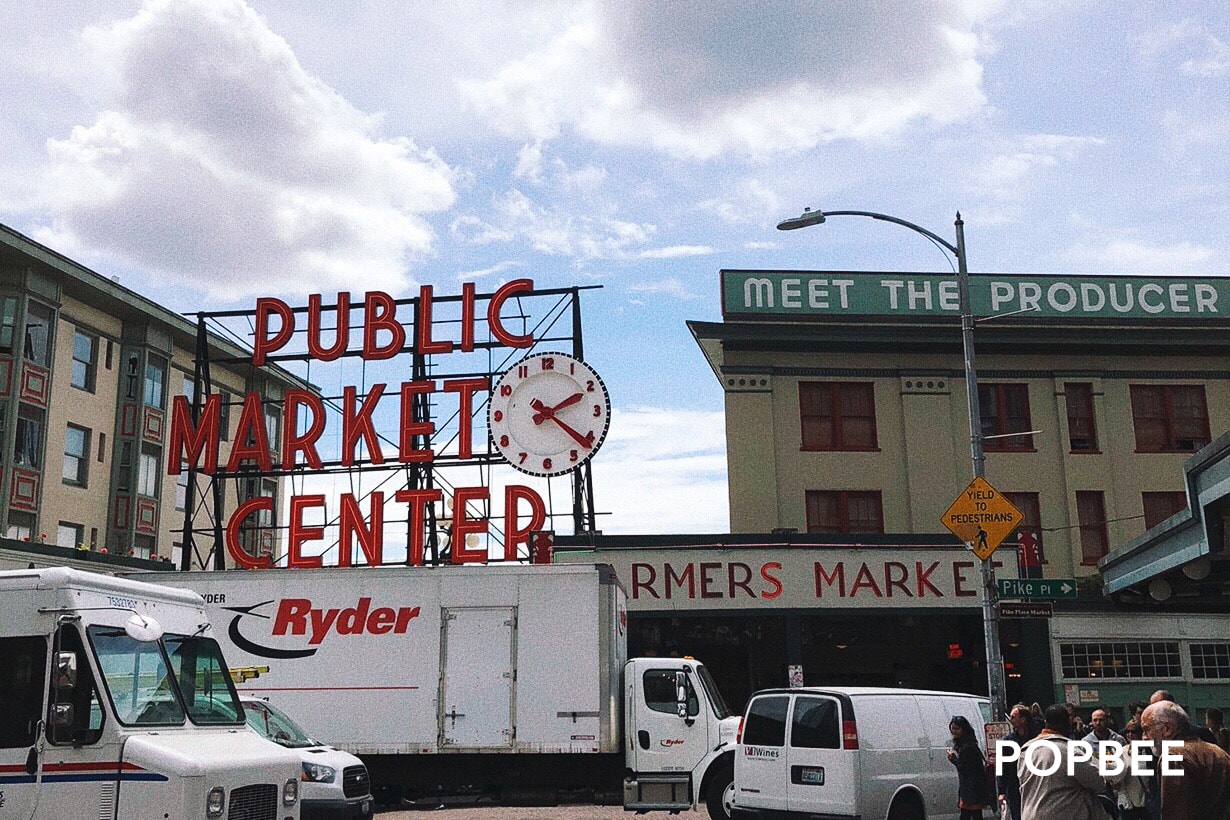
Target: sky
207	152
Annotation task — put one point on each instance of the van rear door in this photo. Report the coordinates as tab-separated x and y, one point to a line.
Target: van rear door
823	758
761	768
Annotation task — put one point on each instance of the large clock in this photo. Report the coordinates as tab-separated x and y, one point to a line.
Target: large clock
548	414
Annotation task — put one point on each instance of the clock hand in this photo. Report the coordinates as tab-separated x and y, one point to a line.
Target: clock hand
568	402
545	412
586	441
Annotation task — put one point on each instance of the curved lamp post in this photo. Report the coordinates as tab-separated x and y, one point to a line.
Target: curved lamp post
990	616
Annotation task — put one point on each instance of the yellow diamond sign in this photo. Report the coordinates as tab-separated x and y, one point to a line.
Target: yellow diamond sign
982	517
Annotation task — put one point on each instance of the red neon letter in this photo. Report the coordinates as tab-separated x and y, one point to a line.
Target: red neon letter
299	533
251	441
406	452
292	442
186	441
493	313
418	501
242	557
350	523
341	336
465	389
261	343
467	317
463	526
380	312
422	327
356	425
514	535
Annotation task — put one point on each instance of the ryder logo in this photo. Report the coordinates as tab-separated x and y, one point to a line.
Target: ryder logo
297	616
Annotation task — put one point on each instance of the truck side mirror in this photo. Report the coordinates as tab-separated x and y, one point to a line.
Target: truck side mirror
681	694
66	670
62	718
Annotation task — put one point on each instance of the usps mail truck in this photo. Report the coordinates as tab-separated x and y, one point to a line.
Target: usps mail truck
510	681
115	704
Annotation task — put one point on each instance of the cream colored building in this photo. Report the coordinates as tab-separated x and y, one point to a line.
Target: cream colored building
846	406
88	369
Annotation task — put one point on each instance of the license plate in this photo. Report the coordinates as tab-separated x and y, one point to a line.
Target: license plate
366	808
812	777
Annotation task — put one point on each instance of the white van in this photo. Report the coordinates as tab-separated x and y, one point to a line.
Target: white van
335	785
851	752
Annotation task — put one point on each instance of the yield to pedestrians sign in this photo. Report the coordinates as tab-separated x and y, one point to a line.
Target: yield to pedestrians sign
981	517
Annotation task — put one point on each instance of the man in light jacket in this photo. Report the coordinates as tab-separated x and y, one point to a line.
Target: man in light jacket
1060	795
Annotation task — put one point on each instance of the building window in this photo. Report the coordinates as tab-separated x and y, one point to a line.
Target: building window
143	546
1031	509
181	487
70	535
1082	430
1005	410
838	415
76	455
1091	514
21	526
224	415
273	425
28	448
85	361
1211	661
1169	418
8	323
37	346
147	473
844	511
1134	659
1160	506
155	381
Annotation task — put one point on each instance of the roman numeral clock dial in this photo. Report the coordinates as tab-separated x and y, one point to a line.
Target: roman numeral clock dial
548	414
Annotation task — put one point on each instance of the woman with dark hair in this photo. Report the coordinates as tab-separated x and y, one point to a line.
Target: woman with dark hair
971	769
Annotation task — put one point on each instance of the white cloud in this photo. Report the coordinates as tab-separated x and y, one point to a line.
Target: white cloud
554	231
499	267
666	287
1125	255
1214	62
676	252
218	161
656	478
760	246
1189	44
1006	171
749	202
697	78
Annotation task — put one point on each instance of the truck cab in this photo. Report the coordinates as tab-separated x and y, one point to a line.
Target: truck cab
680	739
118	704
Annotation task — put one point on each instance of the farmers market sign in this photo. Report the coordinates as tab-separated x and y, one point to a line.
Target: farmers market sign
841	293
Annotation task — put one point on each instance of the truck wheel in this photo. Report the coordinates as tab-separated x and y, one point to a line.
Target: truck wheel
720	793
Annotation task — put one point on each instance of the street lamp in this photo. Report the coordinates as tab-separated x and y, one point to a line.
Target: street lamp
990	616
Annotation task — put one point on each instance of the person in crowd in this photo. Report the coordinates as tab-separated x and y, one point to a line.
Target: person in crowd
1203	788
1129	788
1135	708
1164	696
1213	722
1101	732
1077	730
1007	786
1061	795
971	769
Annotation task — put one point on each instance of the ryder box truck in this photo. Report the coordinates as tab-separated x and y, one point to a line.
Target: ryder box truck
509	680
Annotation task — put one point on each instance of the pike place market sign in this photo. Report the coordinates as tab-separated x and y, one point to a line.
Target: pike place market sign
789	577
839	293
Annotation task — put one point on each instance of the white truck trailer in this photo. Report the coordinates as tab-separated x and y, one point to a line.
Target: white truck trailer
114	705
507	680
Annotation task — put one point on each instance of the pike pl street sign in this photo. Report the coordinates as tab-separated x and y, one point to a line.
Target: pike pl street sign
981	517
1053	588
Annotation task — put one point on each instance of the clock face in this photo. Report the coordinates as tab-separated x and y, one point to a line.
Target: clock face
548	414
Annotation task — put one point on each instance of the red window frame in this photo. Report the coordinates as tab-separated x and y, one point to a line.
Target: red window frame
1091	517
840	501
1161	505
992	399
1154	422
830	401
1082	428
1031	508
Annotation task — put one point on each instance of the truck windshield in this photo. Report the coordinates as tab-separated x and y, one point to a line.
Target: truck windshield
720	709
274	725
146	690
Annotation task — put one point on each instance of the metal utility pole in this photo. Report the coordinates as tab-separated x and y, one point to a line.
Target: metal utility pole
990	615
